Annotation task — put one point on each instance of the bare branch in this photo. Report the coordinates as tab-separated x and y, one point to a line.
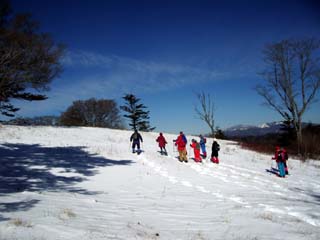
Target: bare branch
206	110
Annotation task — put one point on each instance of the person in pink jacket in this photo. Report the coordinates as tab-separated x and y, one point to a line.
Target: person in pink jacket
162	144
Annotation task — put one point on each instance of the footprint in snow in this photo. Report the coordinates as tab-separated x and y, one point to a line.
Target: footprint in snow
164	174
173	179
186	183
202	189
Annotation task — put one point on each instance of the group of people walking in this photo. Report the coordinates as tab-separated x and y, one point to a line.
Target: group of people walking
199	148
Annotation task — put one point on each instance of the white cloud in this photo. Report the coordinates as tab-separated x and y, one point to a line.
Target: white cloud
100	76
126	73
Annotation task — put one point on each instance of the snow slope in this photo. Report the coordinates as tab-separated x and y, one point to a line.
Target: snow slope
84	183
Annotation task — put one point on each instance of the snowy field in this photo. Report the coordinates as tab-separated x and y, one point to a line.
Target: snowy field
84	183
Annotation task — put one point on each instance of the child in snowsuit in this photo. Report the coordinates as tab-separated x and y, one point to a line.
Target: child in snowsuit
202	142
162	144
279	157
196	149
135	139
181	143
215	150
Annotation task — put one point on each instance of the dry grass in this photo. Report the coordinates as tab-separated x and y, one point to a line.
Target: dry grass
21	223
267	216
66	214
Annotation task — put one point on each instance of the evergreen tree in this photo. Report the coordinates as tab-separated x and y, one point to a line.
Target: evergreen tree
136	113
29	59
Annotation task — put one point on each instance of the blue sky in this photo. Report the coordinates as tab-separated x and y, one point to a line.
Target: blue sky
166	51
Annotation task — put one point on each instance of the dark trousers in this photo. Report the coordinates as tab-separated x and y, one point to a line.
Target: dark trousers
134	144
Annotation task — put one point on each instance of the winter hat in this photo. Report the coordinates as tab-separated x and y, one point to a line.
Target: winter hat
214	139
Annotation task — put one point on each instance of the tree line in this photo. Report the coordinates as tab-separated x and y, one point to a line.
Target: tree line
93	112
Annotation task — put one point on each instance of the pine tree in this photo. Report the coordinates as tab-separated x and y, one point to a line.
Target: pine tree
137	114
29	60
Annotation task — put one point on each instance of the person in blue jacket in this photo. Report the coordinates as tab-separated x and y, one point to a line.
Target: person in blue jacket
202	143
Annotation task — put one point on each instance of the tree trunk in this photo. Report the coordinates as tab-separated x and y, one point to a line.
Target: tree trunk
212	131
298	129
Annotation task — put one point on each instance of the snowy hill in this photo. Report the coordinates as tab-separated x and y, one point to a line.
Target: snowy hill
84	183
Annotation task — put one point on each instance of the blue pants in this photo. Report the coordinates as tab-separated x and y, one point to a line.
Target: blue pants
203	149
282	172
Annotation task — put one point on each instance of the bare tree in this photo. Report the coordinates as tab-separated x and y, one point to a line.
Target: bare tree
206	110
92	112
292	79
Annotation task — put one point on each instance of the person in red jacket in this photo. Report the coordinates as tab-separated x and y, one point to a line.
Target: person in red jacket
162	144
279	157
196	149
181	143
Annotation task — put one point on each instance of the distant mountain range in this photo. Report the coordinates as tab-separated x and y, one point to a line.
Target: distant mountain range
250	130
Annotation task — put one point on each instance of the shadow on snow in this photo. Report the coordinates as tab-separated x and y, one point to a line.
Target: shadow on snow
26	167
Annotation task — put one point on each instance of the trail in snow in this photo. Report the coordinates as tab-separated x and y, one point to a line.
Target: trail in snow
226	174
85	183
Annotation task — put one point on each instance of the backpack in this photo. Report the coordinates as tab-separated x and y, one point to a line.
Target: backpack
135	136
198	146
280	156
216	146
204	140
285	155
184	138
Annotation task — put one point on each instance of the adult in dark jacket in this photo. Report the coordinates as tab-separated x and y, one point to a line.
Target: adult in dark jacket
215	151
135	139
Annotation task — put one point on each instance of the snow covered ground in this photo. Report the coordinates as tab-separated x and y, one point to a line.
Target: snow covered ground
84	183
